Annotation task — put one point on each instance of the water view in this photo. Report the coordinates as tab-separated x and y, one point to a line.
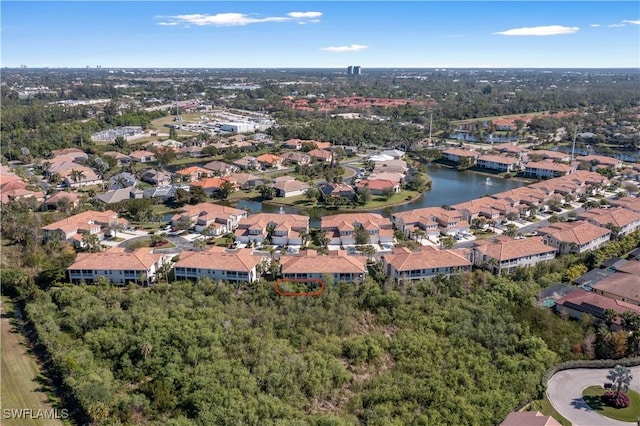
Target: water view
449	186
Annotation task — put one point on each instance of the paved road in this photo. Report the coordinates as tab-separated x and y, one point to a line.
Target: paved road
564	390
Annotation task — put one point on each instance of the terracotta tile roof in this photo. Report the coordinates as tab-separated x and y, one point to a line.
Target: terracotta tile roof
261	220
529	418
210	209
116	259
461	152
141	153
617	216
631	267
219	258
347	220
629	203
193	171
313	263
549	165
427	215
269	158
600	159
376	184
102	218
213	182
587	300
218	166
506	248
579	232
427	258
555	155
320	154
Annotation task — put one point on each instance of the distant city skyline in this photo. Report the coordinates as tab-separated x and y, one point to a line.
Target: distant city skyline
331	34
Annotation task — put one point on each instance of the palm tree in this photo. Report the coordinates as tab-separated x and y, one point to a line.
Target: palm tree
621	378
368	251
226	188
76	175
419	233
323	239
447	242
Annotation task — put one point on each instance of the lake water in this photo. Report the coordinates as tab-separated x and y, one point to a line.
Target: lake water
449	186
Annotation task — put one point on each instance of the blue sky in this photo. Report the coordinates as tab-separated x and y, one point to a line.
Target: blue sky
329	34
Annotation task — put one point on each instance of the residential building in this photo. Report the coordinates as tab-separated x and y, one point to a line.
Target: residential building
405	265
247	163
624	284
293	144
379	186
396	154
505	254
618	219
629	203
341	228
156	177
220	168
247	180
78	176
391	166
72	199
546	169
580	302
310	265
142	156
194	173
119	267
218	263
321	155
283	229
499	163
343	190
546	154
270	160
296	158
486	207
433	221
91	222
596	161
117	195
575	237
456	155
529	418
218	219
213	185
290	188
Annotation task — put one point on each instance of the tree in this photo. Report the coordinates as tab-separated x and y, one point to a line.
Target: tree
91	242
361	235
447	242
511	230
165	155
621	378
266	192
323	238
226	188
312	194
363	195
197	195
388	193
76	175
368	251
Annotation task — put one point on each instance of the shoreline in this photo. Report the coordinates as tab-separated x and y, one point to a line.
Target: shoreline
488	174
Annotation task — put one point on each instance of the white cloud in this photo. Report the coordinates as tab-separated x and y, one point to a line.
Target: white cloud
350	48
594	25
616	25
547	30
232	19
627	21
304	14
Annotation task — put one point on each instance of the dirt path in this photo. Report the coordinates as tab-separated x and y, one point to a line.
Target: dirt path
22	401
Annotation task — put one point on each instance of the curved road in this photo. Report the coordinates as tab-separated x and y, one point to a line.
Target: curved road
564	391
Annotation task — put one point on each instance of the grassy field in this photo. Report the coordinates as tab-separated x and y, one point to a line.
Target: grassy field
531	114
22	382
592	396
158	124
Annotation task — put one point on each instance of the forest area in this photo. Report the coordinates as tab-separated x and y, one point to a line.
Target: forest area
466	349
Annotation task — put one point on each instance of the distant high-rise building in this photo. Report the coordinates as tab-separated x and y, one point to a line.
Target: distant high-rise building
354	70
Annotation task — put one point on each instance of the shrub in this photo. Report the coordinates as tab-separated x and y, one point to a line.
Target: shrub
616	399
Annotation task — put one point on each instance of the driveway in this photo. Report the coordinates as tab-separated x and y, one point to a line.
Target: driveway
564	391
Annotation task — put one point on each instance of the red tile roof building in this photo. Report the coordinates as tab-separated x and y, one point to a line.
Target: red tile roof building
404	265
575	237
340	267
218	263
505	254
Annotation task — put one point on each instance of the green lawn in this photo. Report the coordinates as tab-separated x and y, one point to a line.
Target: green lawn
592	396
545	407
23	385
